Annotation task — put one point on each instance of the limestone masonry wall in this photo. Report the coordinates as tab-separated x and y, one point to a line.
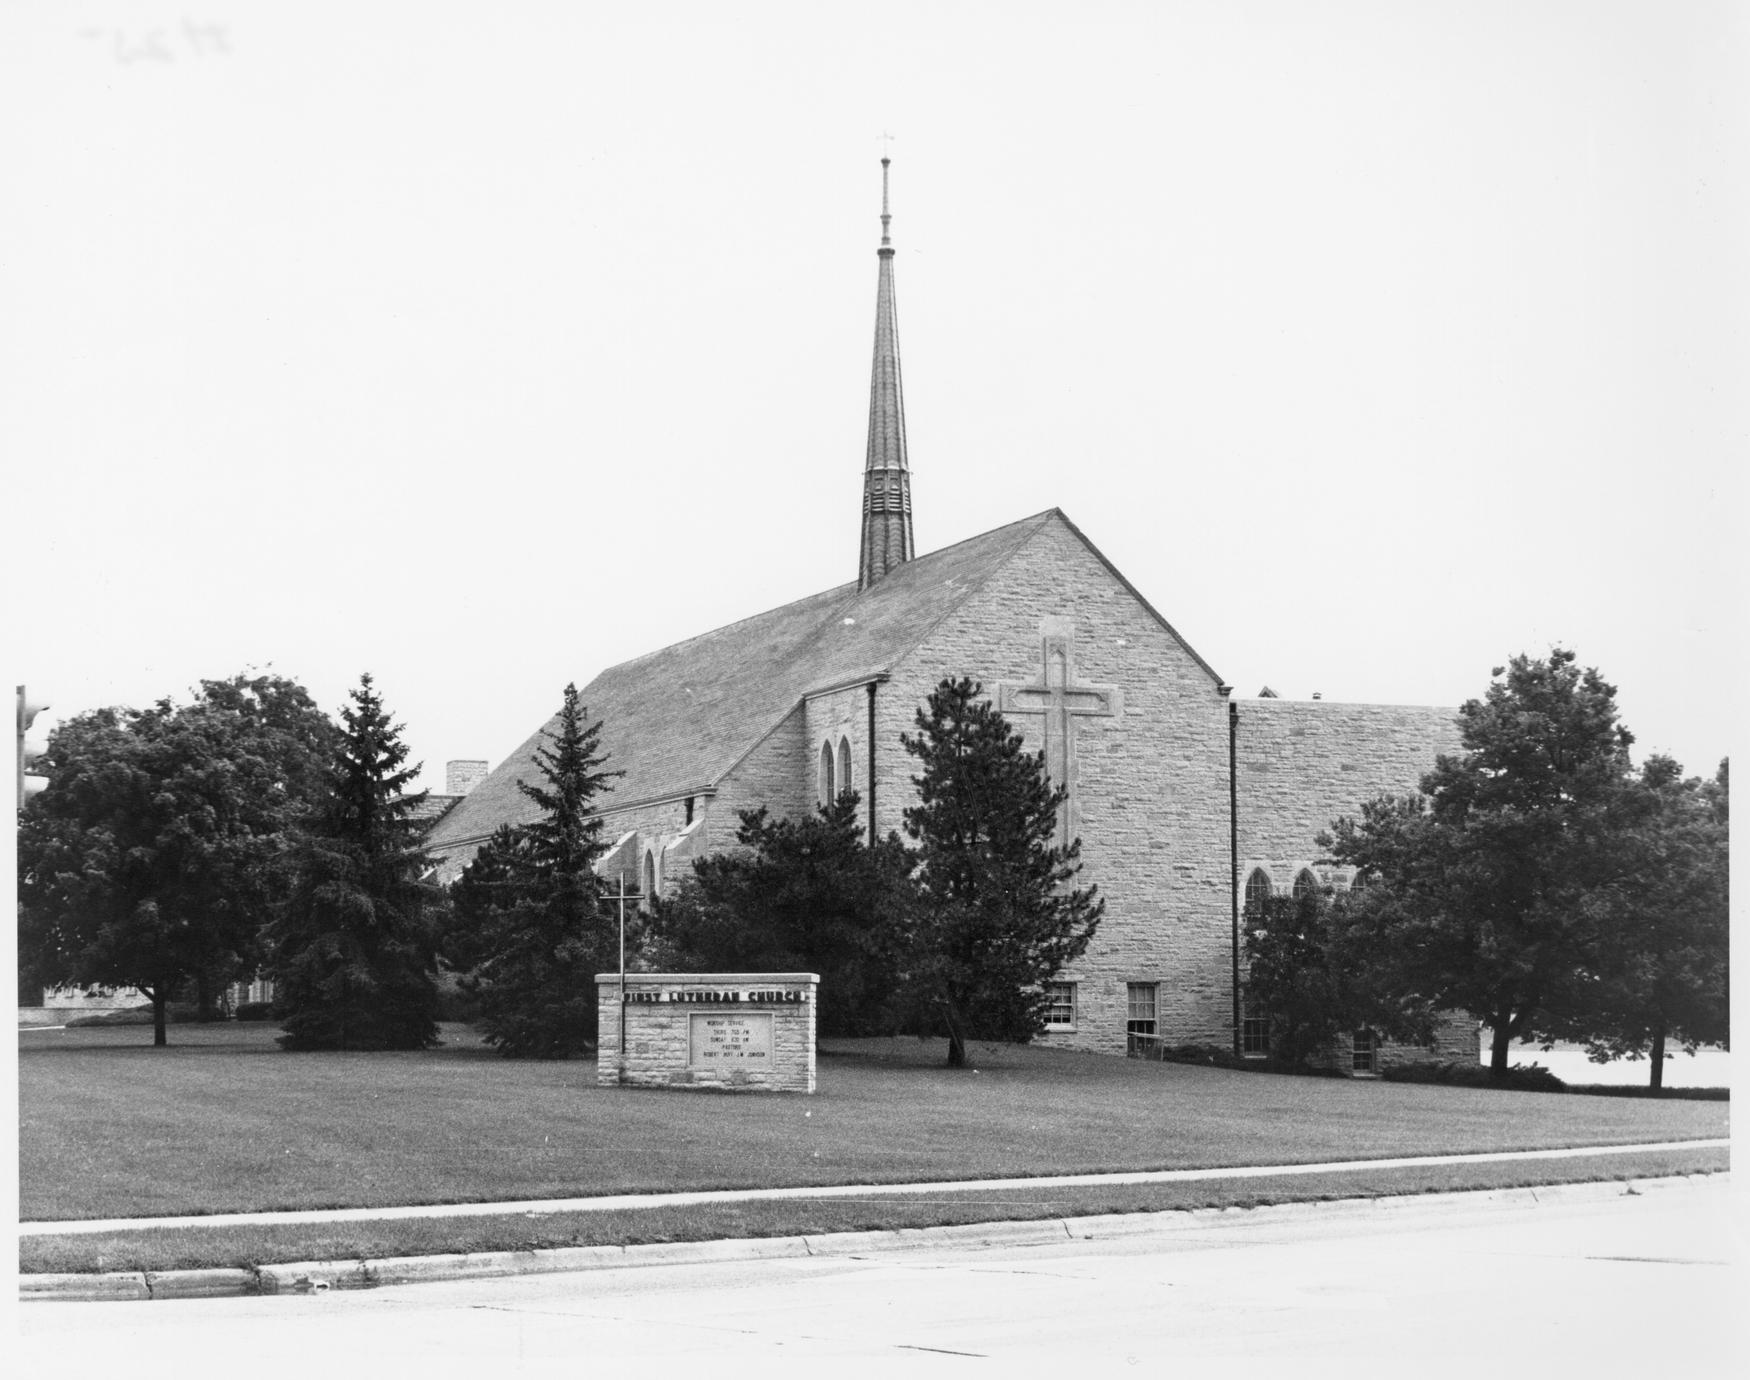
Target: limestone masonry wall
836	718
1151	780
1302	763
656	825
751	1031
778	773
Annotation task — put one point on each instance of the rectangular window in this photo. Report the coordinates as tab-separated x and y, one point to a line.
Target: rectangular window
1060	1014
1141	1012
1361	1061
1255	1036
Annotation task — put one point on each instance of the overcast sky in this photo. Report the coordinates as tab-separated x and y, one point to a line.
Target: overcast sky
482	346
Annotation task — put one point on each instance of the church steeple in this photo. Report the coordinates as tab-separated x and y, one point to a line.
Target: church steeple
886	475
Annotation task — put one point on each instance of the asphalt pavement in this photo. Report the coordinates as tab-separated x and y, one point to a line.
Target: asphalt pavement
1634	1278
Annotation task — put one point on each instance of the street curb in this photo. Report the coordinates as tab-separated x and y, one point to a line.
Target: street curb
306	1278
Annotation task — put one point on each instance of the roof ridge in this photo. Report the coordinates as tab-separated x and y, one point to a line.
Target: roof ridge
852	593
1038	519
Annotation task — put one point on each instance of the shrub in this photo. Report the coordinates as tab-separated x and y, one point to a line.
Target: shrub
1520	1078
254	1010
176	1013
1642	1090
1219	1056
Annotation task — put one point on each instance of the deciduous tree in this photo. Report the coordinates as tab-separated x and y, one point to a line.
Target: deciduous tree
1488	890
1315	975
153	858
1660	973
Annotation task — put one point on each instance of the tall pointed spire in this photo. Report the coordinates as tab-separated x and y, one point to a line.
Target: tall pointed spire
886	475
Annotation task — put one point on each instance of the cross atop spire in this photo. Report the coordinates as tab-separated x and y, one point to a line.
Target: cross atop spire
886	217
886	474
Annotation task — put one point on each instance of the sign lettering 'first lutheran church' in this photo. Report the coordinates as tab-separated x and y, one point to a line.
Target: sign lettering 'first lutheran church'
1186	799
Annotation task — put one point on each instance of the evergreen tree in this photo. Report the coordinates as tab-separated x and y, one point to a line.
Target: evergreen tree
356	943
804	895
997	917
537	927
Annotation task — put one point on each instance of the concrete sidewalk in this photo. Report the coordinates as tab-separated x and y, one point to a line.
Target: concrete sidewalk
317	1276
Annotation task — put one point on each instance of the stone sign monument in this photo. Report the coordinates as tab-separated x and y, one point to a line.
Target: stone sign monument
708	1030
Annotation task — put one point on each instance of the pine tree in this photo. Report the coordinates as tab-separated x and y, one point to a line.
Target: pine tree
356	943
532	922
997	917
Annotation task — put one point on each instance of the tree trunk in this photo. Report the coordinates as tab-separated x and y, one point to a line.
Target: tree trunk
159	1003
1658	1075
956	1036
1501	1043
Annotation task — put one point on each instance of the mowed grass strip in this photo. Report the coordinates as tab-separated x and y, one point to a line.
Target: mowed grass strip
223	1121
192	1248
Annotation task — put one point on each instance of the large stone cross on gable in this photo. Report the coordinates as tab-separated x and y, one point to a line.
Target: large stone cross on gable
1058	701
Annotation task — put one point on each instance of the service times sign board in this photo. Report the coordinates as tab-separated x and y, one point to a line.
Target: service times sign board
752	1031
740	1040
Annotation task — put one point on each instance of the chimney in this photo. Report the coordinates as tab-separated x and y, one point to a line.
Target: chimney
462	777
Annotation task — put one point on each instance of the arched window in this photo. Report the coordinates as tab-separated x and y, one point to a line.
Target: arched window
1305	884
826	790
844	777
649	876
1258	891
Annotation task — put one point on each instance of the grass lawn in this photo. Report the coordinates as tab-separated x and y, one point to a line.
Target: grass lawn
223	1121
191	1248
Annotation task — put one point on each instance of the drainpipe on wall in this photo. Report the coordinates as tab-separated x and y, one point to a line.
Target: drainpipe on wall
872	834
1233	840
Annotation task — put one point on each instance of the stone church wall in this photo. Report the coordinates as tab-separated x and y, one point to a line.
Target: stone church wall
840	718
777	773
1302	763
1151	780
656	824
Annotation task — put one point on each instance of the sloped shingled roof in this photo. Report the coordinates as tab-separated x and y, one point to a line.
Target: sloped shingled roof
676	720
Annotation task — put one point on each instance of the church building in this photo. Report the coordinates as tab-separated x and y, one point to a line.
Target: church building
1187	800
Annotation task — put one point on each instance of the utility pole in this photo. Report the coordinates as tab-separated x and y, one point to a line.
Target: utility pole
29	749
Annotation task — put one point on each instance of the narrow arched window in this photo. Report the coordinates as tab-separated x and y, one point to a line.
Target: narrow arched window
1257	891
1305	884
826	791
844	776
649	877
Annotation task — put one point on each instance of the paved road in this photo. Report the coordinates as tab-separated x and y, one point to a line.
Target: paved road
1562	1282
